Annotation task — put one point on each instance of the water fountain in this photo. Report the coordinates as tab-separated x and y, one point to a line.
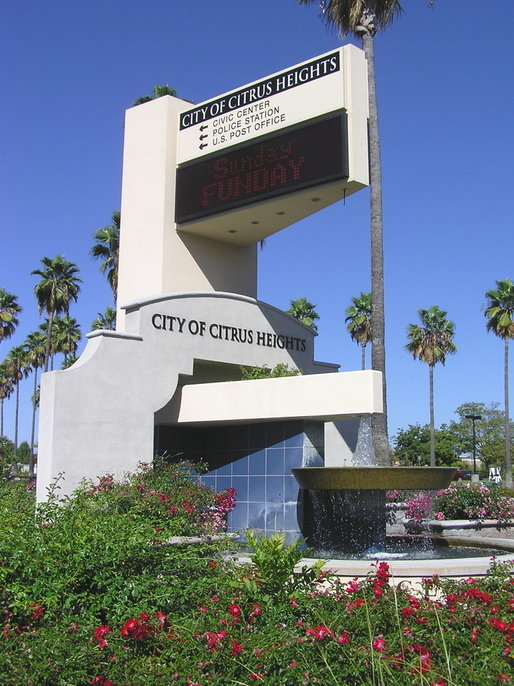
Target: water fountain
345	517
344	508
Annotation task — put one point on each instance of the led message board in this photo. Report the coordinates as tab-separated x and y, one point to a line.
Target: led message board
308	155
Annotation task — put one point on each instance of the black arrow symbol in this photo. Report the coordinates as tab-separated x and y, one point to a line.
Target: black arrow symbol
205	126
203	136
203	145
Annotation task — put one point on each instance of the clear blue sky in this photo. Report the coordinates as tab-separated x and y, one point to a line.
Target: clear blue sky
70	69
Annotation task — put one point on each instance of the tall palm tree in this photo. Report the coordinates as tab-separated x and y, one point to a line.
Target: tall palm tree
365	18
107	320
59	285
9	309
6	388
66	336
35	344
430	343
358	322
304	311
500	313
17	368
158	92
107	248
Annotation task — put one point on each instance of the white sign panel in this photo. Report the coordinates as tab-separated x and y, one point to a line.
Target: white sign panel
289	97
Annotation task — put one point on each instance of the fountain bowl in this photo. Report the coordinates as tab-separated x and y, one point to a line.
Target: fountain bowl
374	478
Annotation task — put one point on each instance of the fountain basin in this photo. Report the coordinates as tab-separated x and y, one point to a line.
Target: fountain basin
374	478
344	508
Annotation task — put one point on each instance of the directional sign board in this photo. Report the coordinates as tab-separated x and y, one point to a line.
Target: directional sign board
297	94
257	159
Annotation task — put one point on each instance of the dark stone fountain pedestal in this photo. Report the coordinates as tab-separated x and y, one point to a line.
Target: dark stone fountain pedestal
344	508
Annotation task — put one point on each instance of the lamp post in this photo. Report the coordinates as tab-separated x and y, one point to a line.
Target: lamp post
473	418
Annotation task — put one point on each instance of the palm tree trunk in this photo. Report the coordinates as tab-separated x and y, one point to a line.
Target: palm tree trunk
33	428
16	416
48	339
363	356
508	461
432	417
379	421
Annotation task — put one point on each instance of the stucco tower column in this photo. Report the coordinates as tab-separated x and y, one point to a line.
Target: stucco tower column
155	258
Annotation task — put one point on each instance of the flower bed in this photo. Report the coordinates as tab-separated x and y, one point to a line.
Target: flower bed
88	598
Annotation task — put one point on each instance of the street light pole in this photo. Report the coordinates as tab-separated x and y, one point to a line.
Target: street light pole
474	418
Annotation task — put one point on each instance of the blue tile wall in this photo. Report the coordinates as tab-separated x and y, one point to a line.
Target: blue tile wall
256	460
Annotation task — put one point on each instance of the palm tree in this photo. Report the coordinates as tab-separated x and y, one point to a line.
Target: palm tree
364	18
107	248
35	345
9	309
107	320
430	343
304	311
65	336
17	369
500	313
158	92
6	388
59	285
358	322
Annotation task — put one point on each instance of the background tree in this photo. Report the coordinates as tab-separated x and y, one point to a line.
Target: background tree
107	249
35	345
107	320
158	92
6	388
358	322
7	458
430	343
59	285
304	311
66	336
412	446
9	310
489	432
500	313
364	18
17	369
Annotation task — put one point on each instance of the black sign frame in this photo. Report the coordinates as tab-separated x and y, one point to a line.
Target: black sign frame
307	155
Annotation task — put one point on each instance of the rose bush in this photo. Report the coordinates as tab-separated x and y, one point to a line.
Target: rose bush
89	596
462	500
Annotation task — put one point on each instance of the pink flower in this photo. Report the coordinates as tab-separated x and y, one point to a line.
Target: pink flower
138	630
344	639
320	632
498	624
234	610
102	681
235	648
162	618
99	634
379	643
37	610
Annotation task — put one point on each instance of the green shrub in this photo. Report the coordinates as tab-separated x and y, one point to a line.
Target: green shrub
264	372
89	595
